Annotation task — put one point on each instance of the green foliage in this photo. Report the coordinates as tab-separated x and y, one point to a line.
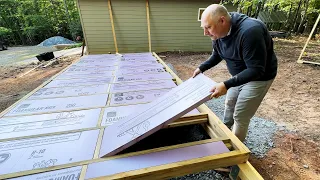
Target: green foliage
32	21
5	34
5	31
304	15
74	46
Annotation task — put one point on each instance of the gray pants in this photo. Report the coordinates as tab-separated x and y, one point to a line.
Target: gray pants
242	103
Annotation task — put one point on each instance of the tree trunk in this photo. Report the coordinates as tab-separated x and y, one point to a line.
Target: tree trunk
258	10
239	7
276	7
296	16
288	22
249	10
302	22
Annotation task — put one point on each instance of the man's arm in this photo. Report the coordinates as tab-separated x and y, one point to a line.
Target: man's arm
213	60
254	53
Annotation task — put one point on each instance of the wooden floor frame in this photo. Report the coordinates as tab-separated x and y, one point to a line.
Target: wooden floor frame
238	155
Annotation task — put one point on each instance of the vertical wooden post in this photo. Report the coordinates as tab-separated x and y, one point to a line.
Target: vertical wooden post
82	26
83	44
305	46
148	20
112	26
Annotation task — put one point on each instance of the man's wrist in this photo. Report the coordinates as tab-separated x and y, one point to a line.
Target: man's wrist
228	83
201	69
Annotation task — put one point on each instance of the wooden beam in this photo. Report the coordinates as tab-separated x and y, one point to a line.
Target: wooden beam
148	20
112	26
309	62
217	125
167	171
83	172
310	35
82	26
248	172
49	134
189	120
210	131
175	77
232	155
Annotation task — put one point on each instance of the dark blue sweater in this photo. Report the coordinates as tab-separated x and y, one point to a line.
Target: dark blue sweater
248	51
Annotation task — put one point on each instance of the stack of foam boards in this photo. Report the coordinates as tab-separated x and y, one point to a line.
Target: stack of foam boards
60	123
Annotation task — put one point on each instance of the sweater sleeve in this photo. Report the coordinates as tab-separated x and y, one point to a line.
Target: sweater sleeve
213	60
254	52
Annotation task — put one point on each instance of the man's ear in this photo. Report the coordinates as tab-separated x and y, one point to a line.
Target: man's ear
222	19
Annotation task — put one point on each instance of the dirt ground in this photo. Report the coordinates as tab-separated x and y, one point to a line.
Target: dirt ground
293	101
16	82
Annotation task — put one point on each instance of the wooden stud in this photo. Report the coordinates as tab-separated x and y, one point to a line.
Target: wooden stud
216	123
31	70
49	134
248	172
112	26
84	32
231	154
309	62
210	132
148	20
167	171
100	117
98	146
305	46
175	77
44	98
83	172
70	110
189	120
83	44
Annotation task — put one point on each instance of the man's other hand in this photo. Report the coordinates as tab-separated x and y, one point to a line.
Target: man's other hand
218	90
196	72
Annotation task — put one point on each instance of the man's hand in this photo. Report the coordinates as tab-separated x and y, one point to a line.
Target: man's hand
196	72
218	90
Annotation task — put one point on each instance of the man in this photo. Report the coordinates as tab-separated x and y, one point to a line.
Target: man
246	46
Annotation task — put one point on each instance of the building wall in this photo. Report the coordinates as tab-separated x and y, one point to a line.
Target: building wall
96	26
173	25
130	21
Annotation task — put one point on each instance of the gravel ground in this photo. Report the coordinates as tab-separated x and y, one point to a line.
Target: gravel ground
260	133
205	175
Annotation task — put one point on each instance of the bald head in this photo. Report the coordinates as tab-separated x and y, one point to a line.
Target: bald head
215	21
214	11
